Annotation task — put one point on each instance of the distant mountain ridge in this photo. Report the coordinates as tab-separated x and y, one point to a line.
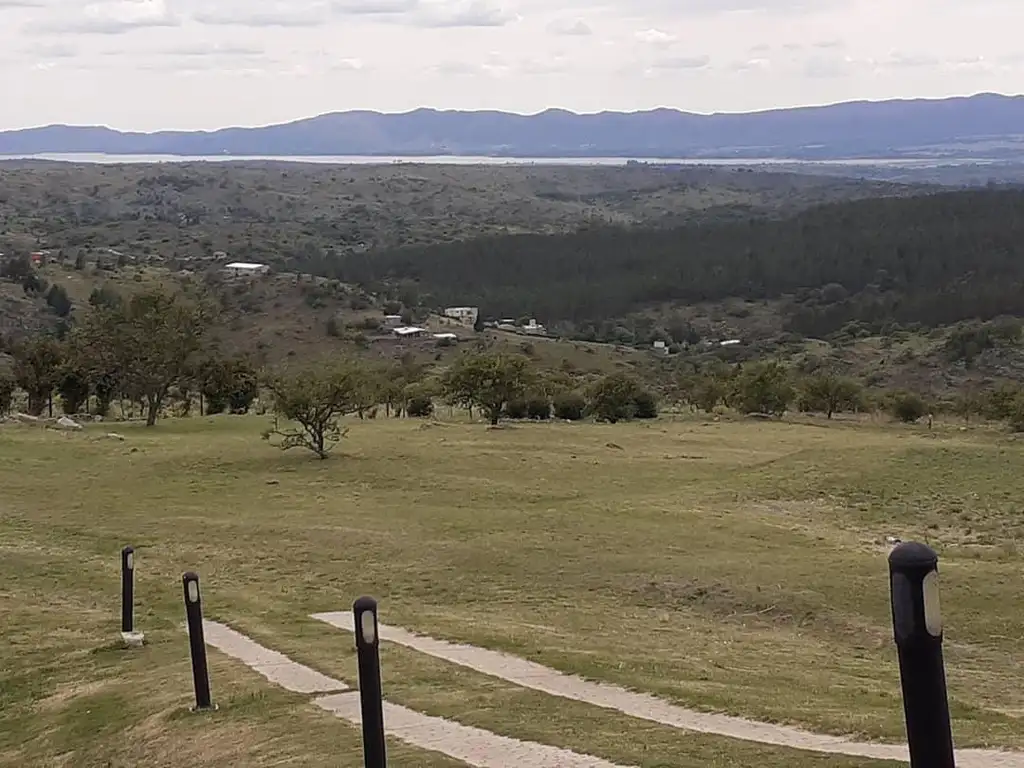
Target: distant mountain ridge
986	125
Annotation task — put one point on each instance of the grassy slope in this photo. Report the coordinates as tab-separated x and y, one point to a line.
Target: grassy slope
728	566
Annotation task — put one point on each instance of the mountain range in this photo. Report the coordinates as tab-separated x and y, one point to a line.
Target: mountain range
985	126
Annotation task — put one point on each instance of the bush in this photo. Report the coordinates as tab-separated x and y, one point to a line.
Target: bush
612	398
420	406
538	408
516	409
645	405
908	407
570	406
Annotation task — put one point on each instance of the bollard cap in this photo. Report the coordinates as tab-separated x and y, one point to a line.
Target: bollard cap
364	612
365	604
127	550
913	557
190	576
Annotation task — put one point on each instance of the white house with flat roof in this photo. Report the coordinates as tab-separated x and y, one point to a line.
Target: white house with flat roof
245	269
465	315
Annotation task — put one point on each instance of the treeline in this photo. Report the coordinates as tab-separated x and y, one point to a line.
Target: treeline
933	259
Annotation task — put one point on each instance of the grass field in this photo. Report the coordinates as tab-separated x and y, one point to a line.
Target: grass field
728	566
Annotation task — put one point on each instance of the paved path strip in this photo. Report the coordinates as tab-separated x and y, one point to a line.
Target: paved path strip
274	666
473	746
529	674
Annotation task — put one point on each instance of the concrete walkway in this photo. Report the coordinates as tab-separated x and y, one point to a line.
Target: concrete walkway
274	666
473	746
529	674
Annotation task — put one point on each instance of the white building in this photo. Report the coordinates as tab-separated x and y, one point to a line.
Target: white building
245	269
408	331
465	315
393	321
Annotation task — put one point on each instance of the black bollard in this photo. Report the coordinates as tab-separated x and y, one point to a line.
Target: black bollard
127	590
364	612
196	641
917	625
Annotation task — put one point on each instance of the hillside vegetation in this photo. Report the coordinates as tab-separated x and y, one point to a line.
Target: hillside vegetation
277	212
933	259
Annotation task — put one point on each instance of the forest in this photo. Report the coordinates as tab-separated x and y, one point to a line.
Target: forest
933	260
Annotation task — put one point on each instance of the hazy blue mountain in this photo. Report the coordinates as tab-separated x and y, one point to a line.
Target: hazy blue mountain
985	125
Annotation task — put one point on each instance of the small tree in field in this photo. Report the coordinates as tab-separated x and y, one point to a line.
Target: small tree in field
489	381
308	405
830	394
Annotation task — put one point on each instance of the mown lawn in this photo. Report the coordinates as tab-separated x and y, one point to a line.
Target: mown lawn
728	566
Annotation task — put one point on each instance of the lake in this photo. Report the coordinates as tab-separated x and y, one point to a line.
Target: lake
99	158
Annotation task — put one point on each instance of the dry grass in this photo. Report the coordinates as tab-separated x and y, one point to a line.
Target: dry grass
727	566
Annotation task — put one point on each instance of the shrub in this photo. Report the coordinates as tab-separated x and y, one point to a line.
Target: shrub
516	409
611	399
420	406
908	407
538	408
570	406
645	405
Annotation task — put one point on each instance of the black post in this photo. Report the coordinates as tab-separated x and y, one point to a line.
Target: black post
127	590
196	641
364	612
917	625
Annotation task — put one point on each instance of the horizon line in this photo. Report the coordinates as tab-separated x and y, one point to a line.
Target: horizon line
537	113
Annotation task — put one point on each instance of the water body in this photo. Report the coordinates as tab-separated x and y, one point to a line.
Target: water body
104	159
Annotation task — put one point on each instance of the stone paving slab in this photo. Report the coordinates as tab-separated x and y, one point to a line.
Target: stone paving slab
473	746
274	666
529	674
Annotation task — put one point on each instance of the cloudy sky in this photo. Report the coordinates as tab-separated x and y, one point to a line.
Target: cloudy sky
150	64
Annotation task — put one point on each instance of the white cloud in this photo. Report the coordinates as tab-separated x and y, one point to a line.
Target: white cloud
374	7
107	18
263	14
570	27
471	13
655	37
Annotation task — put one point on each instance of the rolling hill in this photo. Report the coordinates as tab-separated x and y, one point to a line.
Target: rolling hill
983	125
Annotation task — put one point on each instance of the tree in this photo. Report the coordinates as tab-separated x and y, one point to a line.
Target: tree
830	394
313	399
7	387
966	405
570	406
488	381
613	398
763	388
59	301
151	341
73	387
231	384
37	369
908	407
645	404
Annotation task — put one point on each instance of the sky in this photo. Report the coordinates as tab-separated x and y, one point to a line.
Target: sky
200	64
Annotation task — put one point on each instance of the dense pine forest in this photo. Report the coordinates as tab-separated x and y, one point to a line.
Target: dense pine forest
934	259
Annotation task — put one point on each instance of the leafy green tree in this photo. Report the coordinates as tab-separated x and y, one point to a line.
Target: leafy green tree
570	406
908	407
151	344
489	381
59	301
37	369
308	404
73	388
613	397
7	387
830	394
763	388
645	404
